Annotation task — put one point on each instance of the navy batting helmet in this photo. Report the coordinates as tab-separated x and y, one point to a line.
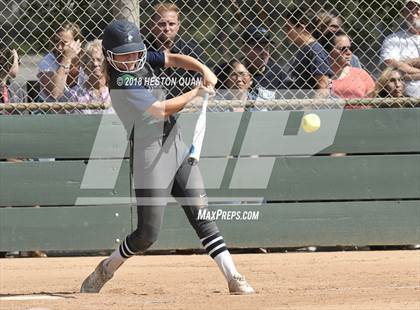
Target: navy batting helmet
122	37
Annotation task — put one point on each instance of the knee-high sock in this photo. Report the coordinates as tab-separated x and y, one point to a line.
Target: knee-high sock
118	257
215	246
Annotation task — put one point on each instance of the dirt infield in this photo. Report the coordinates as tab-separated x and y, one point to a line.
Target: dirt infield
336	280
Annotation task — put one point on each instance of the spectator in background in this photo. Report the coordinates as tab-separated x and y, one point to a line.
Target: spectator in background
94	89
59	73
402	49
327	21
268	76
347	82
9	68
165	25
390	84
309	70
234	81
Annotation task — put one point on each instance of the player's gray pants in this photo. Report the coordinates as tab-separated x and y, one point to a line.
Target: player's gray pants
161	170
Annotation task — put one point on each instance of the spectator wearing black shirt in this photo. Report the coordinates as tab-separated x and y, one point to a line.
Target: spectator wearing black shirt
267	75
165	37
309	70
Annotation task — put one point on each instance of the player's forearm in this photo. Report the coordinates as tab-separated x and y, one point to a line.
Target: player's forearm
176	104
162	109
191	64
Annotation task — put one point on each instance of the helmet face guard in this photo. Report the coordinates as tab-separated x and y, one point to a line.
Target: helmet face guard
123	38
124	66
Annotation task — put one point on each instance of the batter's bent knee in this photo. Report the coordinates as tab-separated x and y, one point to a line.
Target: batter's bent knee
142	239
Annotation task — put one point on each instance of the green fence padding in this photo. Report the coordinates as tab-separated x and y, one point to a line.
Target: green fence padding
267	133
61	136
278	225
59	182
64	228
316	178
274	179
348	131
301	224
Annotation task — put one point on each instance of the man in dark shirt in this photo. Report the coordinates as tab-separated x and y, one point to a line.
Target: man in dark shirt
165	25
267	75
310	68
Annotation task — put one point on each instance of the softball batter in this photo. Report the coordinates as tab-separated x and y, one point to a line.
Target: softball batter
159	154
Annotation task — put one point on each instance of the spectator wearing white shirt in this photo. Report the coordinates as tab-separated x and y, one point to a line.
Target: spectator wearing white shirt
402	49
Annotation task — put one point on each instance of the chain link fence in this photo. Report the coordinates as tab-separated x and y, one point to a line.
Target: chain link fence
264	52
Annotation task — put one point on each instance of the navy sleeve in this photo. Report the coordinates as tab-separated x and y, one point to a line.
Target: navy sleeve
156	59
320	61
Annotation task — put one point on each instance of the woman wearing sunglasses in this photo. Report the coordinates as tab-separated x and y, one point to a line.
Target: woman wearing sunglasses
346	81
330	21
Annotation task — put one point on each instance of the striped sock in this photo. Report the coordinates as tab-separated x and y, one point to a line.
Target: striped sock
215	246
118	257
124	250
